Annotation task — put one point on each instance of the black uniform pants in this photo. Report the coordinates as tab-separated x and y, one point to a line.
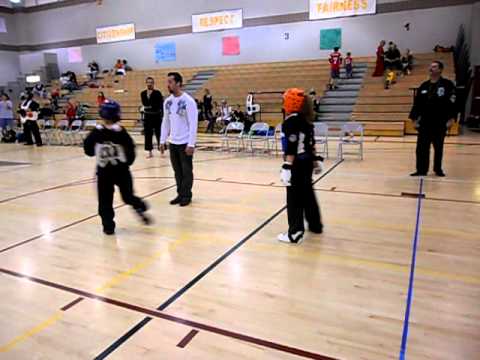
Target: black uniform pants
424	140
106	180
183	167
210	119
29	128
152	126
301	200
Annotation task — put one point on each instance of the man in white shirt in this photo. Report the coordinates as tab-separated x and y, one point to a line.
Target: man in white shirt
180	123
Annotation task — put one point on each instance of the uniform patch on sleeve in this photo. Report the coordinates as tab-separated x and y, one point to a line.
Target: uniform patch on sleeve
293	138
453	98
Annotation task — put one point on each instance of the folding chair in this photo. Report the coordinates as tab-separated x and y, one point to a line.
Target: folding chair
49	131
275	139
259	134
321	137
233	133
75	132
351	135
62	132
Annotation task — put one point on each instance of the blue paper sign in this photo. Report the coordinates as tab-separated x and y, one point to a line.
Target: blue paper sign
165	52
330	38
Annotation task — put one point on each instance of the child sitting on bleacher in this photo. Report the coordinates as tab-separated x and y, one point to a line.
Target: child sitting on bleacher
390	78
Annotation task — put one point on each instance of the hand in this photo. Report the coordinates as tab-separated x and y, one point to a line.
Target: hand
190	150
162	148
286	174
450	123
415	123
317	167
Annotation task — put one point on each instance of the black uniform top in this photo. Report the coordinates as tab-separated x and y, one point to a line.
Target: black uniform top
207	102
299	137
113	147
153	104
434	104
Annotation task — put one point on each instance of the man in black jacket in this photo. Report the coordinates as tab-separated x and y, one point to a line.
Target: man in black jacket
434	111
152	101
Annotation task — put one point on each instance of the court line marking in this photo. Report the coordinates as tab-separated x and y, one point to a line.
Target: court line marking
21	243
153	313
72	304
416	236
200	276
187	339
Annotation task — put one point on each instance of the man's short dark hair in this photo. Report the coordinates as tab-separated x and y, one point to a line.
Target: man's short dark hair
336	48
176	76
149	78
439	63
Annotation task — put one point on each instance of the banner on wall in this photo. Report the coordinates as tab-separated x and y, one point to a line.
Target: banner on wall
220	20
74	55
231	45
115	33
165	52
327	9
330	38
3	25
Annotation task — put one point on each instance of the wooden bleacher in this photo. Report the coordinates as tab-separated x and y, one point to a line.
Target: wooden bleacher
385	112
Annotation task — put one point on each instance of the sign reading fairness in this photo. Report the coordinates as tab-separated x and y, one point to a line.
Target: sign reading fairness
326	9
115	33
220	20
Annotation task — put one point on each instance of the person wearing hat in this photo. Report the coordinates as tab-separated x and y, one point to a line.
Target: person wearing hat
115	153
298	144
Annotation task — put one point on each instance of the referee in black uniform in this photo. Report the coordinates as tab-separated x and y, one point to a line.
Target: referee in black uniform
152	101
433	112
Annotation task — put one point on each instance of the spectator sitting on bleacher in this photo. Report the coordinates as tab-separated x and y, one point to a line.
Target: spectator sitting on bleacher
47	111
39	90
392	57
225	115
407	62
101	98
93	70
119	68
126	66
71	111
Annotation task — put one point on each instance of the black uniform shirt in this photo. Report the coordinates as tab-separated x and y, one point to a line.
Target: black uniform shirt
299	139
113	147
434	104
153	104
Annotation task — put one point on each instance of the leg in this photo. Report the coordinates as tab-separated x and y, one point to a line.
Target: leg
105	190
423	152
27	133
294	211
125	184
187	175
157	130
177	165
148	131
311	209
438	141
36	133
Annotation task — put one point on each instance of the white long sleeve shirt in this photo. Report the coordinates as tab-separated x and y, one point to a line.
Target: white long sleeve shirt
180	120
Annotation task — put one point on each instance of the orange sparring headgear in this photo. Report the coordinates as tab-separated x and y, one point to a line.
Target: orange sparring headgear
293	100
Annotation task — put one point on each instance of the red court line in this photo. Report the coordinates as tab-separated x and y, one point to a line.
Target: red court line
186	340
72	304
161	315
74	223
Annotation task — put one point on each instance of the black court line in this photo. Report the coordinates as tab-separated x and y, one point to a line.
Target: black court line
160	315
200	276
72	304
21	243
187	339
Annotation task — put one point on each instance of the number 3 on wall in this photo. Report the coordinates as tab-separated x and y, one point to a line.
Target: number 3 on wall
286	36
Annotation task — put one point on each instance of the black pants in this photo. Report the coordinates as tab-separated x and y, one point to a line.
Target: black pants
301	200
105	186
29	128
211	120
183	167
424	140
152	126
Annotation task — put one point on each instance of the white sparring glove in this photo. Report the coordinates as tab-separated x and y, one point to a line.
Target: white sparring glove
318	169
286	174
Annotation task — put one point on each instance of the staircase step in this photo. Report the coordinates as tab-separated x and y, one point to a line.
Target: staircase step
334	117
348	81
337	101
340	94
349	88
336	108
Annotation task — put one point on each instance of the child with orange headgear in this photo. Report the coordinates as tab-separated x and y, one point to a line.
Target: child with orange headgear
298	143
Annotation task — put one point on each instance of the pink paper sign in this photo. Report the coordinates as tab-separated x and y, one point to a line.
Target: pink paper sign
231	45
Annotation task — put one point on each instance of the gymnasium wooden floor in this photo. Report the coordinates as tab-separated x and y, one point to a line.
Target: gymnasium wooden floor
211	281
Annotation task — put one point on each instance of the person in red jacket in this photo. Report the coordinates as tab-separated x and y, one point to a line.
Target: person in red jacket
335	61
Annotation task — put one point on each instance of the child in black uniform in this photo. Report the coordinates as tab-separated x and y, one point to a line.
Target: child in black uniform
297	170
115	152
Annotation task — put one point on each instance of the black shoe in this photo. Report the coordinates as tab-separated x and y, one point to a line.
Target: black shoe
176	201
185	202
109	231
147	220
440	173
28	144
416	173
316	230
39	145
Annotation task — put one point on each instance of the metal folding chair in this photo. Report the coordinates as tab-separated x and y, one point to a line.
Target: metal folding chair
259	134
321	138
351	135
75	132
233	133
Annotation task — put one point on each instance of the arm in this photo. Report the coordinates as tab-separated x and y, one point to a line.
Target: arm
192	119
129	148
452	106
165	126
415	112
89	144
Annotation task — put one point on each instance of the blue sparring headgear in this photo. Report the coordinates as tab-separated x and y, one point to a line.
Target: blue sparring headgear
110	110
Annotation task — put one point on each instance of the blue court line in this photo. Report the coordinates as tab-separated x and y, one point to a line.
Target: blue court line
416	236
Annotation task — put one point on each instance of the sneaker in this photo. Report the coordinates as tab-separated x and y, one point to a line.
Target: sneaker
296	238
440	173
416	173
176	201
185	202
147	220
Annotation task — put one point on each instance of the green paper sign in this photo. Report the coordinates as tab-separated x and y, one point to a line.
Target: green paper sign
330	38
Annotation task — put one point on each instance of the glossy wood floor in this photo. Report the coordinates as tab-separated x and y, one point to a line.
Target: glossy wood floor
211	282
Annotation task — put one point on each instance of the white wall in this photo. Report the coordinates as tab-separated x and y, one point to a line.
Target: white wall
9	67
475	34
266	43
10	37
